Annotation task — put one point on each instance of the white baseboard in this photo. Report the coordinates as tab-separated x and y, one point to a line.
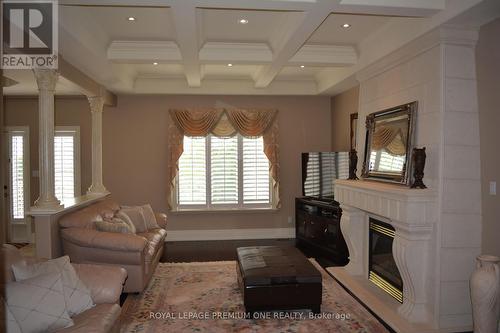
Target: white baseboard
229	234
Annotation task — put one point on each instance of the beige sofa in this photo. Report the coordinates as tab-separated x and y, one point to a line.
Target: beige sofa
138	253
105	284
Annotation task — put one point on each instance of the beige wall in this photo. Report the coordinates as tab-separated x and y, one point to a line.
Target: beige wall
70	111
342	106
488	75
136	160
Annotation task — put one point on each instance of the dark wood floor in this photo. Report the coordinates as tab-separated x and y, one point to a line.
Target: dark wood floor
190	251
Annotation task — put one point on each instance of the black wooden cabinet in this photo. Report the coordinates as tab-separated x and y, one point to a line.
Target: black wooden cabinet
317	230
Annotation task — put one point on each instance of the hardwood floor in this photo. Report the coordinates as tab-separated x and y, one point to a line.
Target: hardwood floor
213	250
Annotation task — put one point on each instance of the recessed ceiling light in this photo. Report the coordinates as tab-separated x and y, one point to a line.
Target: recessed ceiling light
346	25
302	66
243	21
131	18
229	65
155	63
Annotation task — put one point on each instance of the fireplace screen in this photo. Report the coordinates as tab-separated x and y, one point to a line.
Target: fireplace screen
382	268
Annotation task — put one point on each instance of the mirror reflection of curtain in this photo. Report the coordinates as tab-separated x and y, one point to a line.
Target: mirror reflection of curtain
224	122
391	138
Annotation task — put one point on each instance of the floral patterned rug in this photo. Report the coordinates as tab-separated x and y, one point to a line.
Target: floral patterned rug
204	297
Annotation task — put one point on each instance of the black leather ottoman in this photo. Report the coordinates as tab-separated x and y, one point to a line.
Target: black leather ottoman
277	278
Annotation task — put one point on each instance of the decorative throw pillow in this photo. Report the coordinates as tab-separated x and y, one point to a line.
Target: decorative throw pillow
136	216
76	294
37	304
124	217
149	217
113	225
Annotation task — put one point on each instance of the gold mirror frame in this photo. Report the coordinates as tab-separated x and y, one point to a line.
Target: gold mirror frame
403	178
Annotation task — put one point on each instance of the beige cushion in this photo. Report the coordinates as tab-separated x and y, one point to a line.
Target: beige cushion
101	318
38	304
113	225
124	217
149	217
136	216
76	294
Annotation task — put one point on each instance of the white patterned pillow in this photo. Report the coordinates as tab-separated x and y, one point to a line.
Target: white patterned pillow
76	294
135	215
10	323
38	304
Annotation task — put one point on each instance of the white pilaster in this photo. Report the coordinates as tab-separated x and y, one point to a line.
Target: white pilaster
46	80
96	108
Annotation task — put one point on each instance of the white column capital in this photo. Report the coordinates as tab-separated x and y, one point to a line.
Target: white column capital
46	79
96	103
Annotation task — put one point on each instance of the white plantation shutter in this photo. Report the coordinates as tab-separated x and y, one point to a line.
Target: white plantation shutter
224	170
192	184
255	172
64	166
383	161
17	176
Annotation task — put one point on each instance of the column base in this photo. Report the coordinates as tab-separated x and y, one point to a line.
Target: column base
98	190
47	206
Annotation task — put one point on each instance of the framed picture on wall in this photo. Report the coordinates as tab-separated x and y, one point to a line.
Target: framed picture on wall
354	129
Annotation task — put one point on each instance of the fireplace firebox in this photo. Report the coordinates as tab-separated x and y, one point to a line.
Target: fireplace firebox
382	268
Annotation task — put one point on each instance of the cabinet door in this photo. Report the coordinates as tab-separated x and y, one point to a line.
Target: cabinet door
301	220
331	235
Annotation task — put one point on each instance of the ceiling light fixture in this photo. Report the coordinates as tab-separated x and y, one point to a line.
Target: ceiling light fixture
302	66
229	65
155	63
131	18
243	21
346	25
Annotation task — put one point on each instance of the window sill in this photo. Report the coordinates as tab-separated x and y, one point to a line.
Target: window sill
224	211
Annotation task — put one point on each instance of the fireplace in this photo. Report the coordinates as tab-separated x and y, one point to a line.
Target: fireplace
382	269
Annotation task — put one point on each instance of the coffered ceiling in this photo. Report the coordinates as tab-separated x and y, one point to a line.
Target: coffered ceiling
297	47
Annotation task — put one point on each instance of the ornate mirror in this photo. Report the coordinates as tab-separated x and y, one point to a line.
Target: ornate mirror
389	142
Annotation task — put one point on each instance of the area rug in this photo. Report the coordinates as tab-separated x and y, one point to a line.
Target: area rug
204	297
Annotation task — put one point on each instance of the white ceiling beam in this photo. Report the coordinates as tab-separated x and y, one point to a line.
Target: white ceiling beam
410	8
285	50
143	51
184	19
325	55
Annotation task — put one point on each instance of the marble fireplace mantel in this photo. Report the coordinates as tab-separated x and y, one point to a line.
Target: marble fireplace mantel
413	214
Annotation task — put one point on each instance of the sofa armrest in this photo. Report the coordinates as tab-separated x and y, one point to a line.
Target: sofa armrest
105	282
104	240
161	219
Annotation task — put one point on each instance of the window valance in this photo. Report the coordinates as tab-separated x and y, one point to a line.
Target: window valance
224	122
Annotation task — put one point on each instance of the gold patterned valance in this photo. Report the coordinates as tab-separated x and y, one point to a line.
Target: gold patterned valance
390	138
224	122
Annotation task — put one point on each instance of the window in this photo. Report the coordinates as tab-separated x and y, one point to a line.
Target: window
67	162
18	157
223	172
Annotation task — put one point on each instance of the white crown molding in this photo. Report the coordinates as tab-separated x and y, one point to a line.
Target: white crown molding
326	55
139	51
237	52
229	234
446	34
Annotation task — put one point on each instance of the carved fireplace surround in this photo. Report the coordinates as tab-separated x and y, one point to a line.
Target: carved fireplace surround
412	213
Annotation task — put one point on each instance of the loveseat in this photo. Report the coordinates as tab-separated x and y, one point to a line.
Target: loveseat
138	253
105	284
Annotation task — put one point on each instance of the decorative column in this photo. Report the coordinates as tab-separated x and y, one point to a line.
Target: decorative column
96	108
46	80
